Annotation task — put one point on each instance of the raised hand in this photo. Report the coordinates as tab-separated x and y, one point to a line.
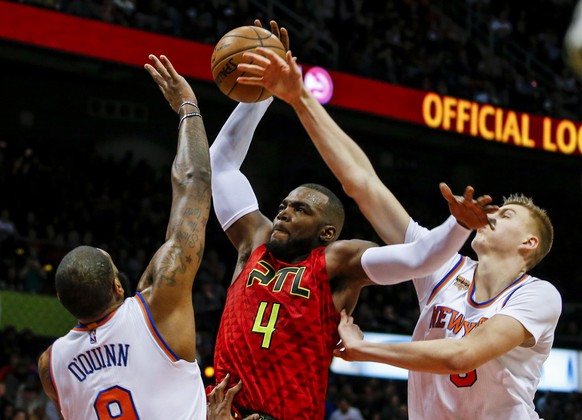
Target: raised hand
280	77
282	34
469	212
174	87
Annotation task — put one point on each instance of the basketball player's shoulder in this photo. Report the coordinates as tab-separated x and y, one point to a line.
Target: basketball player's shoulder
349	246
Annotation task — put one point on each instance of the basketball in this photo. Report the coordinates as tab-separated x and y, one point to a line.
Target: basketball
227	55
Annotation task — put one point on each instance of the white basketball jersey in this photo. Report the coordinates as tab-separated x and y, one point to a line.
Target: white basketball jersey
123	369
503	388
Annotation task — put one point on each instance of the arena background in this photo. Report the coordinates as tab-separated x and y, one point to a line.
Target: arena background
83	141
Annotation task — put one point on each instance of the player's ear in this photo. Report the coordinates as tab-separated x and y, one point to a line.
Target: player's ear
118	287
531	242
327	234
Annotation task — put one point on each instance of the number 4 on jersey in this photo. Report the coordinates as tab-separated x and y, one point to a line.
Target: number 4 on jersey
267	330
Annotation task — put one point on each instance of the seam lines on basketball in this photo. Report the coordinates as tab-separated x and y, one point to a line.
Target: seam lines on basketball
262	45
235	84
241	50
259	36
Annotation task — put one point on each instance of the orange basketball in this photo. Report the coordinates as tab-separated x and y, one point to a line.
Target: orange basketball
228	54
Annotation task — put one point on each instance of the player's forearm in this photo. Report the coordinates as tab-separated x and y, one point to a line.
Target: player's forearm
392	264
192	161
232	193
343	156
234	139
353	169
190	178
444	356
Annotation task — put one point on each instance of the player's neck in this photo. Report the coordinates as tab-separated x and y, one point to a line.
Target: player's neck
113	307
492	275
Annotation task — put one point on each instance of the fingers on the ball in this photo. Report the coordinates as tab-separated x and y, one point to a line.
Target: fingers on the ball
263	55
284	38
251	70
275	29
257	22
256	57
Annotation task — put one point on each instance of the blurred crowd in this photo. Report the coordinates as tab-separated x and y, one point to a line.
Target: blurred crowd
413	43
504	53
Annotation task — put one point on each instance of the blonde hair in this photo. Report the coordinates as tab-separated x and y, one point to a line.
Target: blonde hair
542	225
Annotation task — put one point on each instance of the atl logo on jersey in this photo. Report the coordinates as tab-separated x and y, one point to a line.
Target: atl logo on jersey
268	275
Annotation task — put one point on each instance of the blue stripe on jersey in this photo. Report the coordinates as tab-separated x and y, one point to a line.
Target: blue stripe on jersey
154	330
475	304
445	279
511	294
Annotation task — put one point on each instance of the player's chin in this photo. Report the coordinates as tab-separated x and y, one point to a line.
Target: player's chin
277	244
276	240
279	236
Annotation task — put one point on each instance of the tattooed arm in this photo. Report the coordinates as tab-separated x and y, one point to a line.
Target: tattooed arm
170	274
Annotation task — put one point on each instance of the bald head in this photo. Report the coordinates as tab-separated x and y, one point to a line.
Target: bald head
85	281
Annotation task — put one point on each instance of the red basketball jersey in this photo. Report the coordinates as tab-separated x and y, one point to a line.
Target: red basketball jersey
277	334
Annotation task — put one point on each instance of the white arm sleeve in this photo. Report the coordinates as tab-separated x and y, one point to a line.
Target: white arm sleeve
232	194
392	264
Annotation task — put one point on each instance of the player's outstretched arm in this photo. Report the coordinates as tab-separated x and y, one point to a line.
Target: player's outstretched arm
235	203
392	264
341	153
488	341
172	270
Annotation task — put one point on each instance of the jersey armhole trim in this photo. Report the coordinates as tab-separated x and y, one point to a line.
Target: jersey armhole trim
150	323
51	376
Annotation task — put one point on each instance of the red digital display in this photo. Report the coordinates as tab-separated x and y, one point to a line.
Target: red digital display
130	46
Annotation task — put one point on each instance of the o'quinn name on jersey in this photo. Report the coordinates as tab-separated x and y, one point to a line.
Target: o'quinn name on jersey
102	357
268	277
443	317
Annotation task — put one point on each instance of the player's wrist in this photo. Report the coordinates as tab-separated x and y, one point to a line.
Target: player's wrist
188	107
301	100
